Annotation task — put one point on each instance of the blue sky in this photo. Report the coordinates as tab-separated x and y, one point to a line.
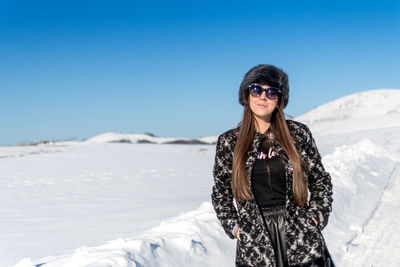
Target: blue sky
75	69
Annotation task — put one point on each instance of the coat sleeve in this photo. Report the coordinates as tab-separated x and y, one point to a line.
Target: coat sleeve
222	196
319	184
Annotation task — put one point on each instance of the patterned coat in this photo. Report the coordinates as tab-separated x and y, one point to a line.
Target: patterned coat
304	240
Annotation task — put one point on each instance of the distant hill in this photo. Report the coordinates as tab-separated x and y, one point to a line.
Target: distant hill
111	137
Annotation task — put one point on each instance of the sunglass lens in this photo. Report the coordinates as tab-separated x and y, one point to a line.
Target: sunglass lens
273	94
255	91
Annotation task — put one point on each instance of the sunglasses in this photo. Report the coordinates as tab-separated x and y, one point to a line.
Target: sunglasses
272	93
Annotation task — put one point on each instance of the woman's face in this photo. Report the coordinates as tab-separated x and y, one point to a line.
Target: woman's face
262	107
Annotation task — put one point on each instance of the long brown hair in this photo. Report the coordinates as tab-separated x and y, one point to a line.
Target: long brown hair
241	188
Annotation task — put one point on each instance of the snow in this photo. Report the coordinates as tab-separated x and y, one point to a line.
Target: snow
96	203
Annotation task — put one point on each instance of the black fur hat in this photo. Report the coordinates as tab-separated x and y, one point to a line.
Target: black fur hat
266	75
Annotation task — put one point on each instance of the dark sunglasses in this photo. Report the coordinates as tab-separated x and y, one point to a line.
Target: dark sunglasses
273	93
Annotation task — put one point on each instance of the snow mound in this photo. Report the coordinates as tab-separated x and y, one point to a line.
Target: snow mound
360	111
376	245
194	238
360	173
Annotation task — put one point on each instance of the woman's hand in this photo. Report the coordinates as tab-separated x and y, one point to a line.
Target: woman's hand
315	221
238	233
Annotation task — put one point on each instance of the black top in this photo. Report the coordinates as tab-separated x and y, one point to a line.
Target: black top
269	190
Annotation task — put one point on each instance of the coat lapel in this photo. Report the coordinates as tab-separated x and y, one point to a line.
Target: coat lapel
251	158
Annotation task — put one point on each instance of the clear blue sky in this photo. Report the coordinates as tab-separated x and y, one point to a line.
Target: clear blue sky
173	68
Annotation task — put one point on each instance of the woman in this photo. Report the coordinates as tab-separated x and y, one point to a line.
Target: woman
271	191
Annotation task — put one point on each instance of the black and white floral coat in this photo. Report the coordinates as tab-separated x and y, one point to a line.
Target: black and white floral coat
304	240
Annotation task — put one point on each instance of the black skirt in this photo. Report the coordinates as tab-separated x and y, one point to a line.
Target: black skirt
274	218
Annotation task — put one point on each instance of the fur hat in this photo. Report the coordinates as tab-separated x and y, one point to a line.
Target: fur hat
266	75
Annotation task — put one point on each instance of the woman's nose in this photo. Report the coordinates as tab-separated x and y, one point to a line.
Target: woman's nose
263	95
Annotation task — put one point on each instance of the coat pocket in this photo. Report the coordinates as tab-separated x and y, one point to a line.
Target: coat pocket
303	236
244	248
304	217
310	222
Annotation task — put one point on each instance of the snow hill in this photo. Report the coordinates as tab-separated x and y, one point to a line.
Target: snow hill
133	192
367	110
